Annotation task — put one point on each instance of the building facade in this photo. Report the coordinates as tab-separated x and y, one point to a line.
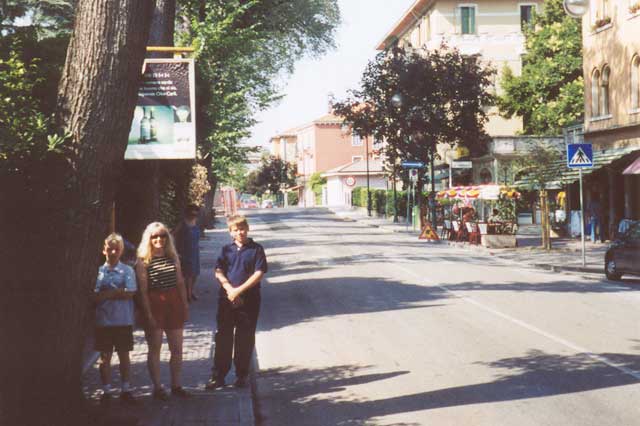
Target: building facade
490	28
320	145
611	66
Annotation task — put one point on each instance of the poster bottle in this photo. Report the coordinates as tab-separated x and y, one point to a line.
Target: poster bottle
153	129
145	127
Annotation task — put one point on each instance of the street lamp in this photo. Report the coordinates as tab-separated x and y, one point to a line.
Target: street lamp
366	143
576	8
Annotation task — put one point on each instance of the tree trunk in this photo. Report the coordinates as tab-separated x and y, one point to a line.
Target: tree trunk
138	197
544	220
59	214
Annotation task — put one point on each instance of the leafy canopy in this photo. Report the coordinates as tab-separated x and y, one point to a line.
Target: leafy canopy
549	93
415	100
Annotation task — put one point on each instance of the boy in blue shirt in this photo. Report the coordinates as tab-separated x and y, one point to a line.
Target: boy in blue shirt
114	291
239	269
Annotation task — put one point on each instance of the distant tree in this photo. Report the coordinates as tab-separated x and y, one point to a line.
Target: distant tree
272	173
549	93
416	100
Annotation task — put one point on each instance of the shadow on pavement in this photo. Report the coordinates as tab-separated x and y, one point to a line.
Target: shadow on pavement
536	375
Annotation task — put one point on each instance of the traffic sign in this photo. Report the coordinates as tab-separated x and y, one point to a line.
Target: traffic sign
579	155
413	175
412	164
461	165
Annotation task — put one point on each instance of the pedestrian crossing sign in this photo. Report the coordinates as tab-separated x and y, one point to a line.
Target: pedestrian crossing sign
579	155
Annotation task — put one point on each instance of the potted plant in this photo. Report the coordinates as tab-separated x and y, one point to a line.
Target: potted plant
601	22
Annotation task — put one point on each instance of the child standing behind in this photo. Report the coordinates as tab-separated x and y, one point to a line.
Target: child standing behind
239	269
115	288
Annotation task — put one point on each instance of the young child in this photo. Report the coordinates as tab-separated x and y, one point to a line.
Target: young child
239	269
115	288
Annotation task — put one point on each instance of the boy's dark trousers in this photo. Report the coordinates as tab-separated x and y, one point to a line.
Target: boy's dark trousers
241	320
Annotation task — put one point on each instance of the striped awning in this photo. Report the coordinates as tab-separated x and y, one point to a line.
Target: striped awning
633	168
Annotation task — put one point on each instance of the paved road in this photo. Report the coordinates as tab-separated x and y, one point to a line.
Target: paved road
362	327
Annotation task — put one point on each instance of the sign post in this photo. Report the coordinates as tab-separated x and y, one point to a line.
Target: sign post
579	156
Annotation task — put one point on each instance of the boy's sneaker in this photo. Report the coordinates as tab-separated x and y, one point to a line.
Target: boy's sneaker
160	394
216	383
128	398
241	382
179	391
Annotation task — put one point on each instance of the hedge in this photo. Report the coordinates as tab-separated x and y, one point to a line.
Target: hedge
381	200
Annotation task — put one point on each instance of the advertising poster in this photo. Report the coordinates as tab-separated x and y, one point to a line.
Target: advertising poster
163	124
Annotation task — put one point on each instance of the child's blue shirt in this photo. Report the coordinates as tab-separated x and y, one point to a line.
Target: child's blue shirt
115	312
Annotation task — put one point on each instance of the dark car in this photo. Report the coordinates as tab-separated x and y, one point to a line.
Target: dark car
623	256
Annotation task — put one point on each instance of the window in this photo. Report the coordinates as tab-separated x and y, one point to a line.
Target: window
604	91
635	83
595	104
356	140
526	15
468	19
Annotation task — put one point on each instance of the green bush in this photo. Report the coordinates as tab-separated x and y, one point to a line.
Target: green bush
292	198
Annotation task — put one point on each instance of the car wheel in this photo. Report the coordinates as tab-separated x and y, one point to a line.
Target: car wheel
610	270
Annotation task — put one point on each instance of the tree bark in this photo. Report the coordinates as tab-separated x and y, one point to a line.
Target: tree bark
59	215
138	195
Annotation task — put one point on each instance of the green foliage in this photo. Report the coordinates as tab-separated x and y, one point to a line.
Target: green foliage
415	101
381	200
292	198
316	182
270	175
529	166
49	18
243	48
549	93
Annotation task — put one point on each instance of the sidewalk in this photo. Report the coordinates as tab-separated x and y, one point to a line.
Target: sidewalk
226	407
565	256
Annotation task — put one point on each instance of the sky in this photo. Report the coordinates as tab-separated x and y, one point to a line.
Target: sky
364	24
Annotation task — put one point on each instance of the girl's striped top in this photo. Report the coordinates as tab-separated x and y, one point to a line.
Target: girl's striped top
162	273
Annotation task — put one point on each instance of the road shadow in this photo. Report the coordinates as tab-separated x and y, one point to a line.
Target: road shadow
301	300
535	375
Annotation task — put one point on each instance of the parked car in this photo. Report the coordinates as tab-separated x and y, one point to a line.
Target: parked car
267	204
623	256
249	204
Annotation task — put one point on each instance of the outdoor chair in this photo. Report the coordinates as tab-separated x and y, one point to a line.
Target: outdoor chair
455	233
474	232
446	230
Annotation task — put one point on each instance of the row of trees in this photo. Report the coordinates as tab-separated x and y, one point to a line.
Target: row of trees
64	121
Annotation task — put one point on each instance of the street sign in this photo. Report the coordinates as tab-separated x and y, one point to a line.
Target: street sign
579	155
412	164
461	165
413	175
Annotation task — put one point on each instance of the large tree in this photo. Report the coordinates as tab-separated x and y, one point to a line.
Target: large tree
415	100
245	48
549	93
56	208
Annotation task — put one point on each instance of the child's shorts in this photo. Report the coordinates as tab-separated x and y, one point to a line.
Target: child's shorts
118	337
167	309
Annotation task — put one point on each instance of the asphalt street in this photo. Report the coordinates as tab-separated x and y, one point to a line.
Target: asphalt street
363	327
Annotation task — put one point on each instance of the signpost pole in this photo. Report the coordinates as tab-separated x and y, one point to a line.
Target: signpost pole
584	261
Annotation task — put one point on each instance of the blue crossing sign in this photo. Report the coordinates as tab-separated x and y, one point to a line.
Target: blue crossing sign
579	155
412	164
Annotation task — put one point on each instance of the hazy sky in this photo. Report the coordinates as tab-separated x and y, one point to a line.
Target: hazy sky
364	24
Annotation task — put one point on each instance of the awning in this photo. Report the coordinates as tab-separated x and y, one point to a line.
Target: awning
601	158
481	192
633	169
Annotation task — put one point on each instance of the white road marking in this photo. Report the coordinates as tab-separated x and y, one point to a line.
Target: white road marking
532	328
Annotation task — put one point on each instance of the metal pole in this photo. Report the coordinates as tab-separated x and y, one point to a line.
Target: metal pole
395	199
408	218
450	174
366	141
433	193
584	261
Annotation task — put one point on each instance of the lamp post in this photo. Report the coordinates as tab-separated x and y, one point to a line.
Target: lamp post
366	143
576	8
396	102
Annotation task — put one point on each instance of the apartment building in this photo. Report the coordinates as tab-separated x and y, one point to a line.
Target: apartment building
318	146
611	65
